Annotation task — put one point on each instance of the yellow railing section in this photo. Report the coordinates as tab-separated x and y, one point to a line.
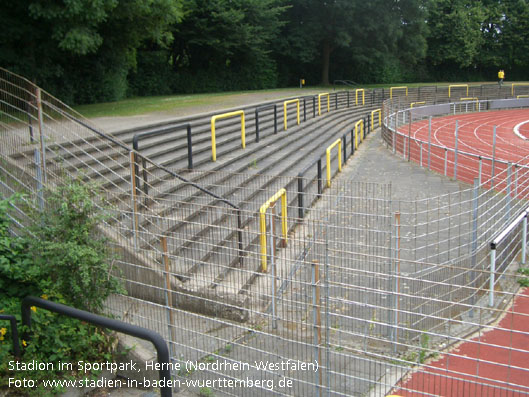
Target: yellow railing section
522	96
476	100
363	95
379	111
296	101
397	88
359	123
328	102
456	86
281	194
328	153
225	116
517	84
417	103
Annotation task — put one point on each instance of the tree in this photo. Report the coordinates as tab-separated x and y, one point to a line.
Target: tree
455	36
222	44
82	50
317	28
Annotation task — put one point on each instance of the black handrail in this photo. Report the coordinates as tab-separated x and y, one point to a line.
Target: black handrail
14	333
142	135
317	162
116	325
257	110
175	175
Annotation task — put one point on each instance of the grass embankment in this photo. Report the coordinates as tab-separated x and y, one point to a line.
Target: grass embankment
154	104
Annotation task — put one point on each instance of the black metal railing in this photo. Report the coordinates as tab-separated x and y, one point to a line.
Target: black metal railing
259	109
115	325
14	333
165	131
319	168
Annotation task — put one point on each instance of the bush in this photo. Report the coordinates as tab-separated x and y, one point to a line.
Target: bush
62	257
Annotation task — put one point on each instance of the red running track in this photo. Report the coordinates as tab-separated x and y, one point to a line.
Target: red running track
494	363
475	136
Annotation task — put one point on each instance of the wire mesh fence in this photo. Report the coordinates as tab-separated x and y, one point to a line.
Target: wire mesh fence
341	291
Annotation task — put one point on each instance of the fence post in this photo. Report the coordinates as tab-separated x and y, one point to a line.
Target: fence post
446	160
301	208
409	135
134	198
256	126
168	294
316	321
493	157
272	244
509	190
475	207
480	169
492	273
430	142
320	188
41	136
524	240
397	277
40	184
189	148
30	123
455	150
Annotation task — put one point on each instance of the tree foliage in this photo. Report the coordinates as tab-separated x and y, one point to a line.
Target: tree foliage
95	50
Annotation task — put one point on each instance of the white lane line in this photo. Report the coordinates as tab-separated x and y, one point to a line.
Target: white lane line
517	129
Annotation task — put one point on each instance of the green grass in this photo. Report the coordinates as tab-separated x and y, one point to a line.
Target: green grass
153	104
156	104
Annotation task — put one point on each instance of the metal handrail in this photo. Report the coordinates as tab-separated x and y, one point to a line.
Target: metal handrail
115	325
168	171
14	333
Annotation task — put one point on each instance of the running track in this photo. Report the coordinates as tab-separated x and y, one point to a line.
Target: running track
496	362
493	363
475	136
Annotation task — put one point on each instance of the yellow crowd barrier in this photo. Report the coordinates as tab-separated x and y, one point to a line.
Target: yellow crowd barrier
328	153
363	95
296	101
517	85
225	116
456	86
281	194
379	111
328	102
397	88
359	123
417	103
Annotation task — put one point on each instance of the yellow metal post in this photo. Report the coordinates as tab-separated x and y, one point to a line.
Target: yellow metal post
361	123
328	102
416	103
379	117
517	84
472	99
397	88
328	153
225	116
456	86
363	95
285	110
281	194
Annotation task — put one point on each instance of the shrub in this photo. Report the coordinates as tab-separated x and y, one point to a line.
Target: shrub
64	258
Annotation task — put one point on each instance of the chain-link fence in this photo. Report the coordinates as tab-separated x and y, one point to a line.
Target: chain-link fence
338	290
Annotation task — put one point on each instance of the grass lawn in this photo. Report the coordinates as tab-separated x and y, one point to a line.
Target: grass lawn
143	105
